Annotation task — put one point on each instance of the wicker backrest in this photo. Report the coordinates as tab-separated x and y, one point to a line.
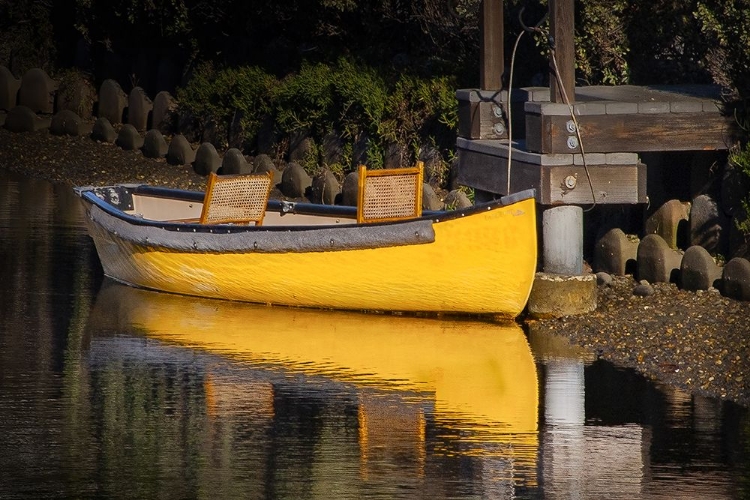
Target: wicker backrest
238	199
389	194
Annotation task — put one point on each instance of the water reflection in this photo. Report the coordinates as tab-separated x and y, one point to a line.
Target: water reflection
413	389
608	432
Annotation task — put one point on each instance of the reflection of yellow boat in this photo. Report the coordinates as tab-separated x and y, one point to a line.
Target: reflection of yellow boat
478	378
479	369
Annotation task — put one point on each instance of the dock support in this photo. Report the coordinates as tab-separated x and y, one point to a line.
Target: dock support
562	239
562	289
562	29
492	49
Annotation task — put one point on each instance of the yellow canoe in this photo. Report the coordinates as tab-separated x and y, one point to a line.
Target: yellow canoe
477	376
479	260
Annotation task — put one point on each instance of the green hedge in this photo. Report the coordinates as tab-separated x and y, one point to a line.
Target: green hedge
347	98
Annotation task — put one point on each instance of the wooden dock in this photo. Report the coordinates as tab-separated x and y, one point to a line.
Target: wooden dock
595	157
591	153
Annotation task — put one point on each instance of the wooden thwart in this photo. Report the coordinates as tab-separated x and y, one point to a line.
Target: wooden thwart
237	199
389	194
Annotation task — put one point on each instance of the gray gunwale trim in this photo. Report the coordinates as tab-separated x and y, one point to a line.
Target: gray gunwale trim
260	240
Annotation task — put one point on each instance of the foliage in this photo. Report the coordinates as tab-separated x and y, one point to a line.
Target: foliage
368	108
740	158
27	35
304	101
220	95
726	24
139	22
419	108
601	43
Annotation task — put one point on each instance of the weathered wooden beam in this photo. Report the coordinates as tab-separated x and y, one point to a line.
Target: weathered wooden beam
562	29
615	178
491	53
629	133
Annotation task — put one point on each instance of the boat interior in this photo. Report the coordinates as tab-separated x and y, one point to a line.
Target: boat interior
384	195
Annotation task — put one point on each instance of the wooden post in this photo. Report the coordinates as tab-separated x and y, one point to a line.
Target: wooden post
491	49
562	19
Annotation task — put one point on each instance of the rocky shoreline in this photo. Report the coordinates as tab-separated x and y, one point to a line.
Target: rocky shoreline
698	342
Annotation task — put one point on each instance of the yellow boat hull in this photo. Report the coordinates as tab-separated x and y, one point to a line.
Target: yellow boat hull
479	263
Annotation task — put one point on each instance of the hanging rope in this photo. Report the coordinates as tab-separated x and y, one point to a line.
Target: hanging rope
551	42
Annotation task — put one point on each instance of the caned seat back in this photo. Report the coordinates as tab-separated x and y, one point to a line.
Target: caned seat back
389	194
238	199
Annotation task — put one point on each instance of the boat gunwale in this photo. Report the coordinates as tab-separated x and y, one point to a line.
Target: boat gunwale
88	194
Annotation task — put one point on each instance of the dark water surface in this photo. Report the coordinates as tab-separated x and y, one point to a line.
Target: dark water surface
112	392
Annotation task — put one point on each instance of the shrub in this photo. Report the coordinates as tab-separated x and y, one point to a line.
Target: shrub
359	102
726	24
418	109
213	95
304	101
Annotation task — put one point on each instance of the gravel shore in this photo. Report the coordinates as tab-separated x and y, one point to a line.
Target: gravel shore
698	342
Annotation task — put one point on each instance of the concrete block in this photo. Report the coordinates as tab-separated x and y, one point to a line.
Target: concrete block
350	189
667	220
325	188
555	295
264	163
294	181
590	108
686	106
180	152
139	107
653	107
591	159
614	251
37	91
430	200
706	224
657	263
103	131
154	144
736	279
66	122
9	86
234	162
207	160
698	270
23	119
112	101
162	115
456	200
621	108
128	138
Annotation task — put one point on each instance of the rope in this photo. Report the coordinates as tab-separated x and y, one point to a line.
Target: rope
551	42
